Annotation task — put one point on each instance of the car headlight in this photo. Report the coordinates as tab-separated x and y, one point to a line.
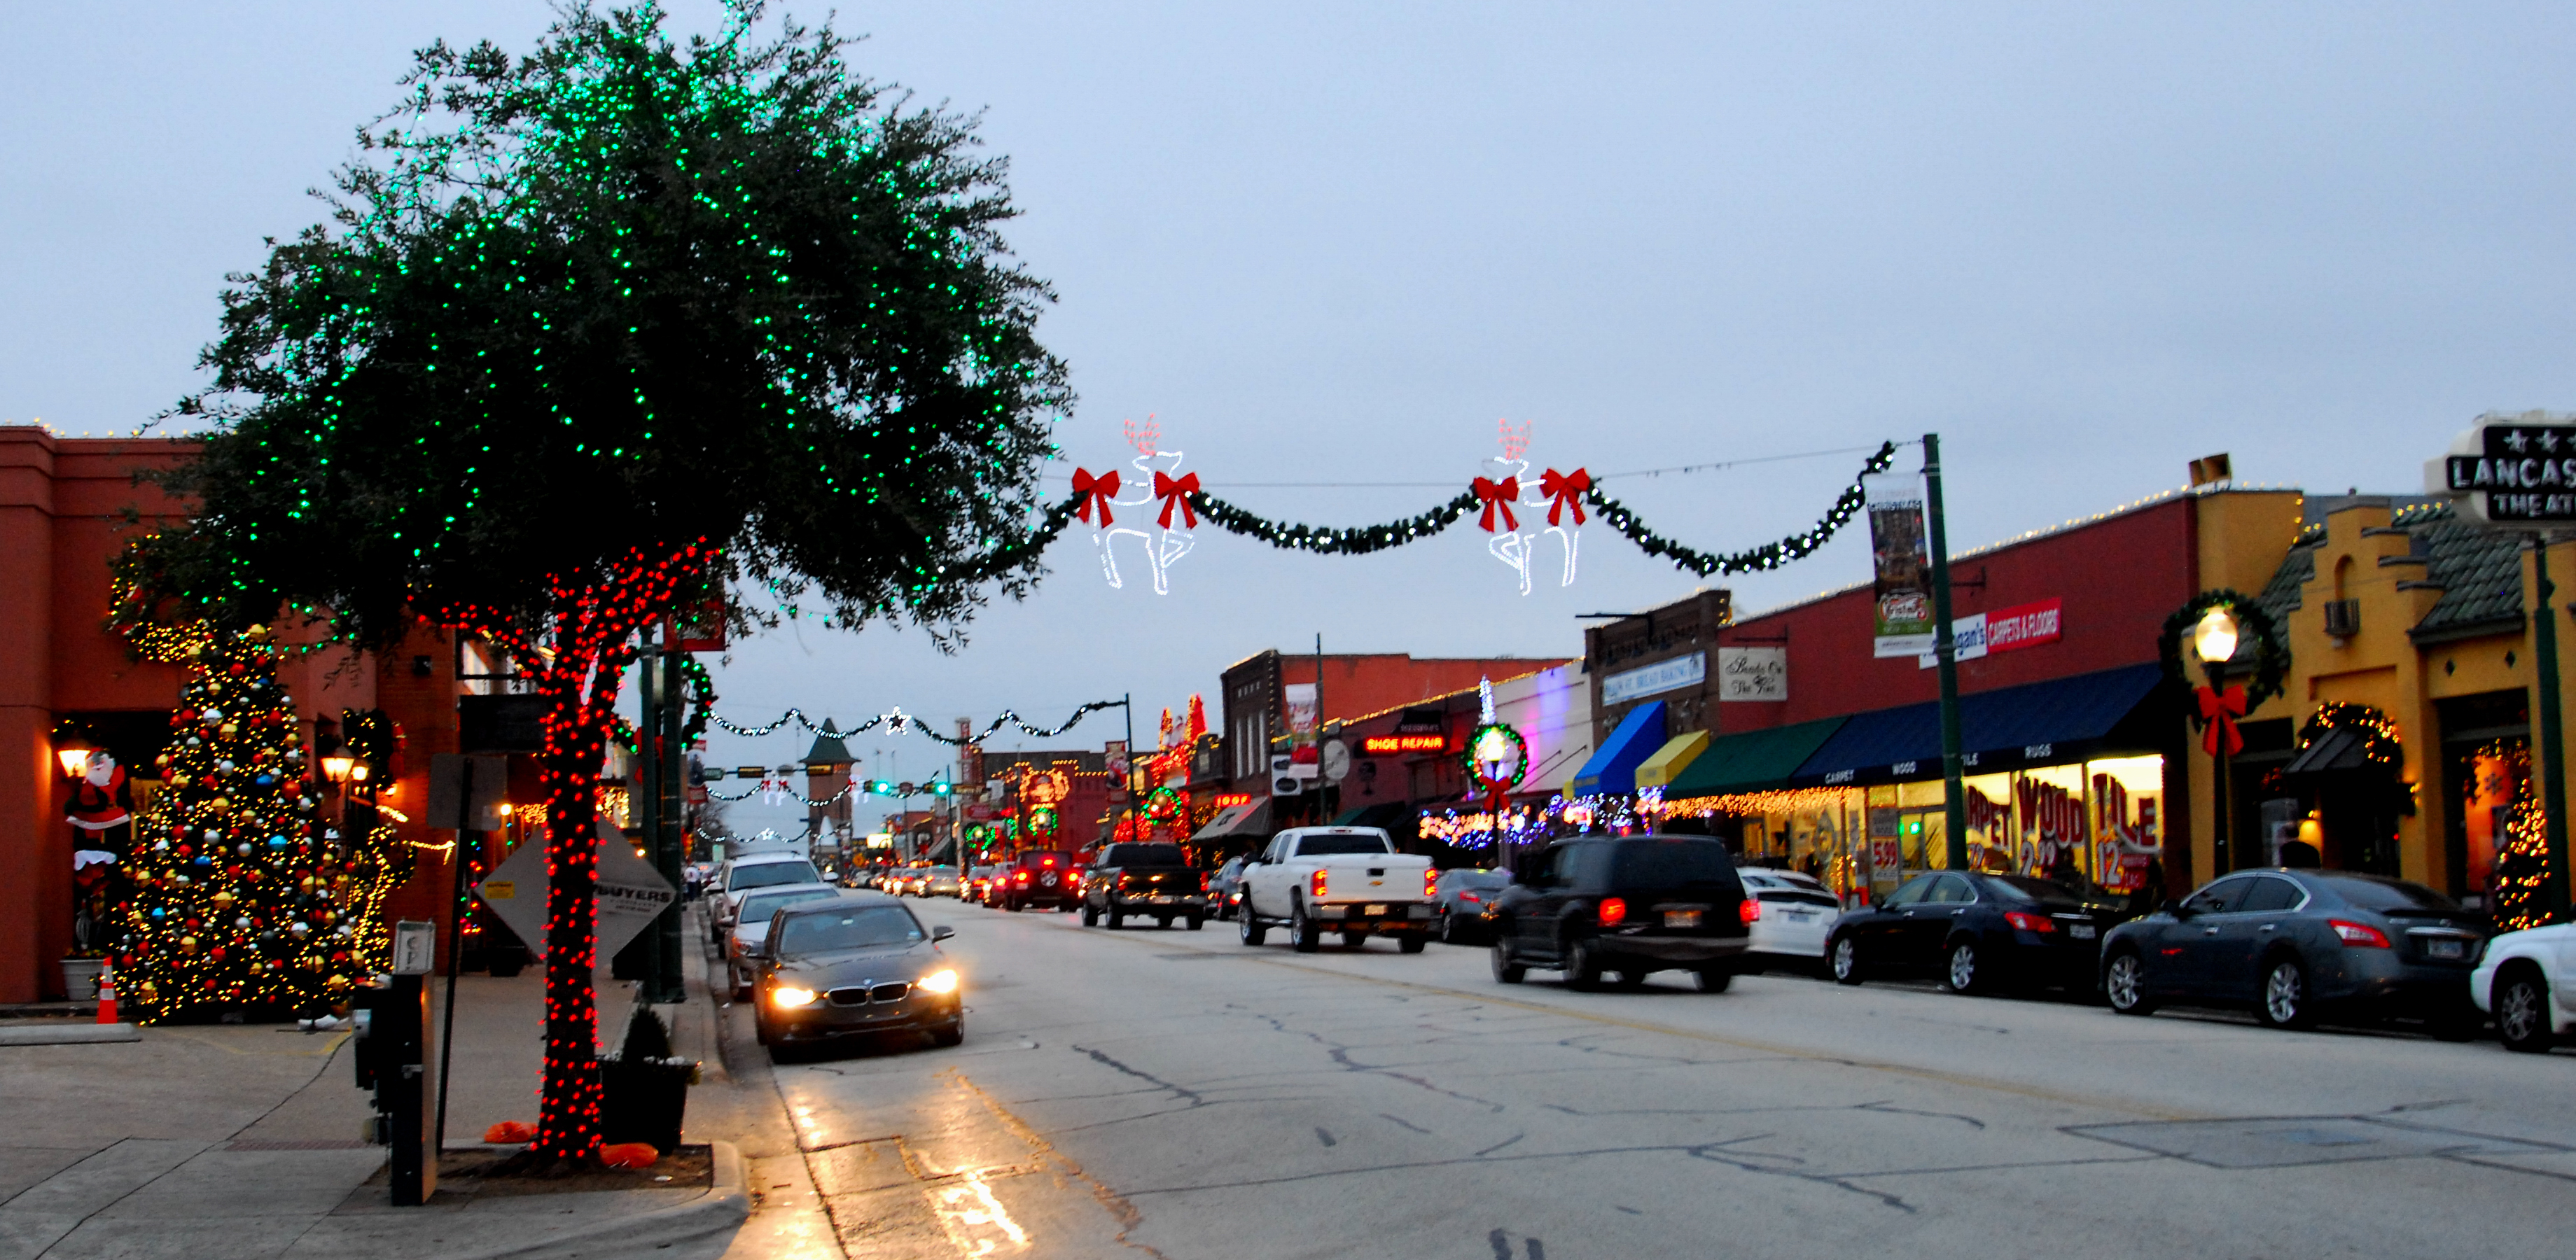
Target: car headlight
943	981
791	997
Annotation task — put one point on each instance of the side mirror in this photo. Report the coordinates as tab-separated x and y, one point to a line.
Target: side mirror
2176	909
942	932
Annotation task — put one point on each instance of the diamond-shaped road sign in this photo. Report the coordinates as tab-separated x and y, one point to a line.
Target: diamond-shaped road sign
630	892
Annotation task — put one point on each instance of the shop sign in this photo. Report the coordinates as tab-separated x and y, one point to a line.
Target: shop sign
1655	679
1389	745
1902	567
1752	674
2003	630
2509	472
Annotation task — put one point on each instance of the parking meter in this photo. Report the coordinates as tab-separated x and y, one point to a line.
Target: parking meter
392	1058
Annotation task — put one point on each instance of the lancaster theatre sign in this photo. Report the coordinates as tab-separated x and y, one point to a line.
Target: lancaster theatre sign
2508	471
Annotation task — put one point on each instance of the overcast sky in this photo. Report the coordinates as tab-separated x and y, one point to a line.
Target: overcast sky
1338	242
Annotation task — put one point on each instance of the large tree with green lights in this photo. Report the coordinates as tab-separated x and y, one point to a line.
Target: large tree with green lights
604	328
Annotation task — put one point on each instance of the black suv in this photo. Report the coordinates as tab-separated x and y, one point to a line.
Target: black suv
1633	905
1153	881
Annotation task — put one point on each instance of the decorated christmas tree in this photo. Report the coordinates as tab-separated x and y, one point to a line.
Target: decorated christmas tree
241	898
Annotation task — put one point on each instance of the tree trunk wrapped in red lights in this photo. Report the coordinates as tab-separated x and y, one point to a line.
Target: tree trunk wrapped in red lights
580	655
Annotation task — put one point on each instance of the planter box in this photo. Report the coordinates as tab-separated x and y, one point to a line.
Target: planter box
80	978
644	1101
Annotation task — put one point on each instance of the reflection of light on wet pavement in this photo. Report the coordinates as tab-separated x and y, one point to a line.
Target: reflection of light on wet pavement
975	1219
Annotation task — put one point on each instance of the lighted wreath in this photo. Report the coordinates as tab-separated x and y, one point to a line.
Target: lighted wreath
2271	646
1497	744
1163	807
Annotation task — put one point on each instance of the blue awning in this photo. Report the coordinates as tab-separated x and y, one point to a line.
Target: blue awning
2066	719
1613	770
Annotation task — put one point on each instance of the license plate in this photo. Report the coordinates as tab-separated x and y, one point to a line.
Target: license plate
1681	918
1800	915
2447	949
2080	931
1374	908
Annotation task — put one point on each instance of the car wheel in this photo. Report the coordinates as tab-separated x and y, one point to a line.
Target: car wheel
1448	929
1117	919
2124	984
760	1028
1582	967
2522	1011
1506	970
1303	933
1963	973
2285	1001
1249	928
1090	917
952	1033
1163	922
1411	943
1843	957
1195	923
1714	979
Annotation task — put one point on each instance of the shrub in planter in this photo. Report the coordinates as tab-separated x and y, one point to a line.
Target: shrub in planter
644	1089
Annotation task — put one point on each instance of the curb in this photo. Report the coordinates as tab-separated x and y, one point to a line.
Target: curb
722	1208
47	1033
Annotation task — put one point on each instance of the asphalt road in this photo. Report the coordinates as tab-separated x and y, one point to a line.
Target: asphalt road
1175	1094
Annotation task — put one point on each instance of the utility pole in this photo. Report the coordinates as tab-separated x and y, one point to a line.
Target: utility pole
2553	761
1323	808
669	836
1945	652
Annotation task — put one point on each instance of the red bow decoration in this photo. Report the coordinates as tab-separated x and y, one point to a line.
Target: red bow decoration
2219	711
1498	494
1171	491
1099	490
1565	490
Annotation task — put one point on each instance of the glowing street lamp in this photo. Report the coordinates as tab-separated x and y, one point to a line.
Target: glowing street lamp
2214	641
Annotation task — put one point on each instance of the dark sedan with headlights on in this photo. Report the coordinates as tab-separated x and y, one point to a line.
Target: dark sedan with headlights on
860	966
2301	945
1976	933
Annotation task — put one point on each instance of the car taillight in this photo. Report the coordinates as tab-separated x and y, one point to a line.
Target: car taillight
2358	934
1022	877
1468	896
1122	879
1315	883
1203	881
1430	880
1748	910
1614	911
2029	922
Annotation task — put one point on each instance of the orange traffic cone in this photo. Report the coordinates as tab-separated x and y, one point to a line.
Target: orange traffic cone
106	996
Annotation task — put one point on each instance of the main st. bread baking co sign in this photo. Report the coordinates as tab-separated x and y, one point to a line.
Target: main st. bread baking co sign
2507	471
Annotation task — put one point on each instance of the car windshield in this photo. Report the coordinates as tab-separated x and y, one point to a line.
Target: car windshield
2386	894
1670	864
1144	855
771	874
2024	888
757	908
1479	879
1325	846
866	927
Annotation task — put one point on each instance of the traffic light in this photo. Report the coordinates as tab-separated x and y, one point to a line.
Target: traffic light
939	788
880	787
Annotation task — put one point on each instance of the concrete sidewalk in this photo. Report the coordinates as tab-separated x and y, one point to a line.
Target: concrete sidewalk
221	1141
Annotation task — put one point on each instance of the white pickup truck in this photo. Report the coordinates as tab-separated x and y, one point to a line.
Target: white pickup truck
1350	880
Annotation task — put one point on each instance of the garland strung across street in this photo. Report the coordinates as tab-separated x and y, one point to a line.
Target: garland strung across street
1158	495
896	721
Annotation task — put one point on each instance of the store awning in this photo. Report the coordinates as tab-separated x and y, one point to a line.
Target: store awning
2340	748
1236	821
1676	755
2038	724
1751	761
1613	769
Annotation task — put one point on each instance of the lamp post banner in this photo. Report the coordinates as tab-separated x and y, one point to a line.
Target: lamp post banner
1902	560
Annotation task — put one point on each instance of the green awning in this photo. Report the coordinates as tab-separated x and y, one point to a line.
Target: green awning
1751	761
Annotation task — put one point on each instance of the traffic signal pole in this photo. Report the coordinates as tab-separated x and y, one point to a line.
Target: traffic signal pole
1945	653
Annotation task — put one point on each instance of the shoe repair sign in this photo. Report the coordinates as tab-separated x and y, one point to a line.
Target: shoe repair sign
630	894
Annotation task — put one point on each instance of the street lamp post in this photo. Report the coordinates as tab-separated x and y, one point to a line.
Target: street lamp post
2214	642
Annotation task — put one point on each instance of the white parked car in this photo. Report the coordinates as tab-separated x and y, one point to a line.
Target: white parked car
751	929
1798	917
742	876
2527	980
